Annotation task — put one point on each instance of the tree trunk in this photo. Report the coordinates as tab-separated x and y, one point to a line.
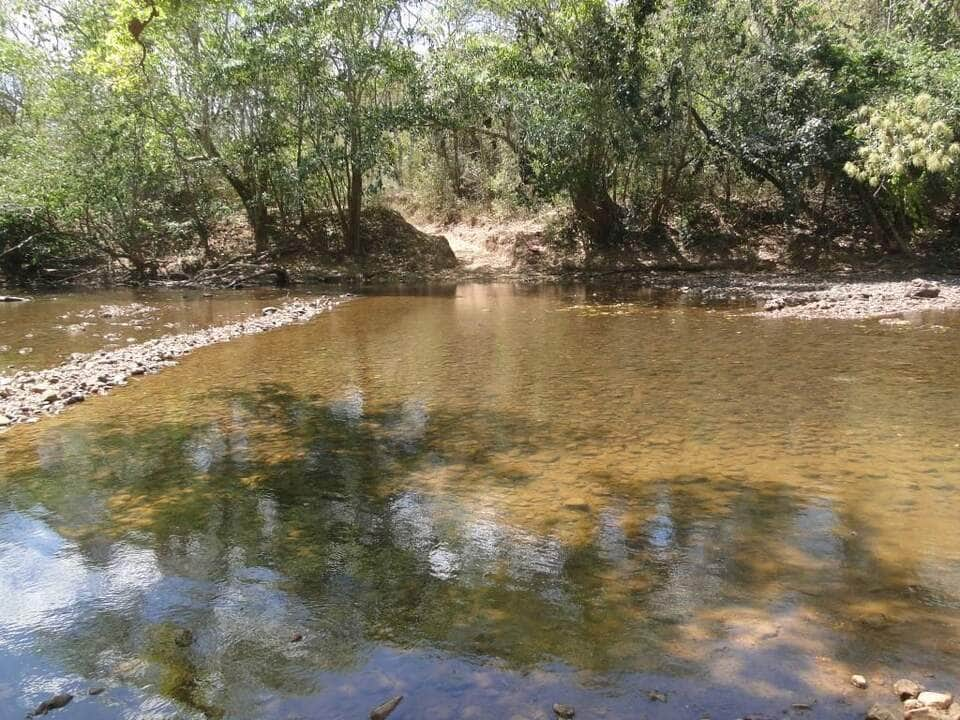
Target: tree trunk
256	210
598	215
354	203
259	220
890	235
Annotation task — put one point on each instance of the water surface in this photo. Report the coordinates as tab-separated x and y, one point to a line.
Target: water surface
45	331
489	500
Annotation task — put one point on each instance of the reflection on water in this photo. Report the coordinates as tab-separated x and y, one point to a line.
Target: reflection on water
491	501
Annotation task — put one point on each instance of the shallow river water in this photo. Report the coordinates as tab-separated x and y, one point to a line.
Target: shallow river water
491	499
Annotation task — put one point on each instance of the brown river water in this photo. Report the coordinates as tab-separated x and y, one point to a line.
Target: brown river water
490	499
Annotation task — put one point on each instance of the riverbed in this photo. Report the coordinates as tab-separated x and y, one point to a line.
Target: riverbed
491	499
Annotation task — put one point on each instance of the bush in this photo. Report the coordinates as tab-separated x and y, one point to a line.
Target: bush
28	242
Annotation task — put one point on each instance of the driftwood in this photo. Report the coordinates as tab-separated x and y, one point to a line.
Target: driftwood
382	711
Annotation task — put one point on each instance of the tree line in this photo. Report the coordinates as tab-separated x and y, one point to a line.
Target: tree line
130	128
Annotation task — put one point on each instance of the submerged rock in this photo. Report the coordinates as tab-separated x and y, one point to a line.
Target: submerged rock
54	703
882	712
564	711
96	690
380	712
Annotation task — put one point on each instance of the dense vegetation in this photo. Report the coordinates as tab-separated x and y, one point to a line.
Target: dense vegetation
129	129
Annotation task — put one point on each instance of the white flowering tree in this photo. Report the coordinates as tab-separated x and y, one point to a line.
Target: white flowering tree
902	146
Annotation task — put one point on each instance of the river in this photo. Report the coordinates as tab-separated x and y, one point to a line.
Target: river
488	499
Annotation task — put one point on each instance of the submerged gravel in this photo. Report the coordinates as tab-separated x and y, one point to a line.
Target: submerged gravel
28	395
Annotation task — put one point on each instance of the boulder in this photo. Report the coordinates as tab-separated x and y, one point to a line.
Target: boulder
921	288
925	712
564	711
12	298
906	689
859	681
935	699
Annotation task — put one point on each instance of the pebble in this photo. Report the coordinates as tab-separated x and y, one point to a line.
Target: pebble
859	681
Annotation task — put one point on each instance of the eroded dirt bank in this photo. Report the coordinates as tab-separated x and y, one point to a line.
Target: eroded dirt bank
28	395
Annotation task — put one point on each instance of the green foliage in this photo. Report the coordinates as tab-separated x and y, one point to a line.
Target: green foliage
631	112
28	241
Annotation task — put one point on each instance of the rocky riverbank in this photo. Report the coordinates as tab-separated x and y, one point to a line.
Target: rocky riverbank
26	396
863	299
826	297
917	703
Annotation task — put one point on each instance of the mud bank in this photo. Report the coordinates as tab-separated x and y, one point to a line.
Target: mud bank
28	395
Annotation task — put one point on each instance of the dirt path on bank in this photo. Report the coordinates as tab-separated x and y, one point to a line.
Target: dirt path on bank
28	395
485	249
